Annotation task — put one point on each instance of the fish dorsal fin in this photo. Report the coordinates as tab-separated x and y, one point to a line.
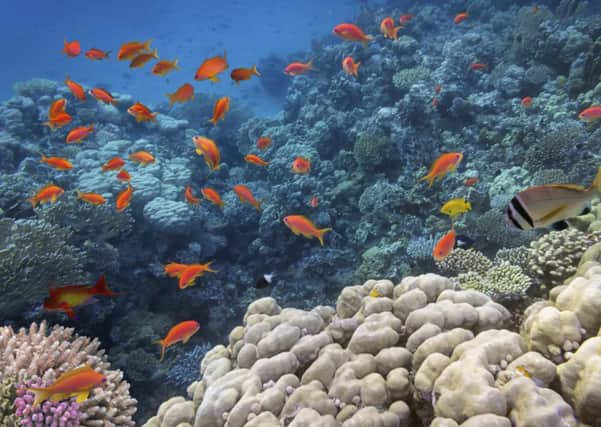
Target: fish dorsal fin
72	372
574	187
52	292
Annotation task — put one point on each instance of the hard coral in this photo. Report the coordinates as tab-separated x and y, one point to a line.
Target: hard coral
371	151
50	413
8	393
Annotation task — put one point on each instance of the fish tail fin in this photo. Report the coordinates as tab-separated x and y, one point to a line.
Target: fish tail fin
396	30
214	121
176	64
258	205
356	69
310	65
155	53
171	97
214	79
209	267
44	158
40	394
366	40
162	344
69	312
428	178
320	234
154	116
255	71
101	288
597	181
108	52
146	44
33	202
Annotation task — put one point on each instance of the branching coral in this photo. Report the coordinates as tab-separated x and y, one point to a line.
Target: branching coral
463	261
8	393
407	77
514	256
501	281
371	151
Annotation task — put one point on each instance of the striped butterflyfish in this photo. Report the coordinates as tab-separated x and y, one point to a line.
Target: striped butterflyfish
550	205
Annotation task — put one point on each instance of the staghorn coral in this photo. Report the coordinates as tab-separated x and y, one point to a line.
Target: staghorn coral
515	256
8	393
463	261
503	281
44	354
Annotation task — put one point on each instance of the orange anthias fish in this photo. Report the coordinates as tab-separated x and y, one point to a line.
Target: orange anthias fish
239	74
209	69
526	101
144	158
46	194
190	197
92	198
76	383
245	194
591	114
142	113
94	54
71	48
298	68
314	202
446	163
478	66
437	89
469	182
255	160
388	29
181	332
403	19
102	95
183	94
78	134
130	49
123	175
212	196
353	33
174	269
444	246
192	272
435	102
164	67
115	163
263	142
76	89
460	17
301	225
57	107
143	58
208	149
221	107
350	67
301	165
59	120
58	163
124	199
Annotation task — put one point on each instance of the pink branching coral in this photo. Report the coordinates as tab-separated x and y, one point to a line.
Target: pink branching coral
54	414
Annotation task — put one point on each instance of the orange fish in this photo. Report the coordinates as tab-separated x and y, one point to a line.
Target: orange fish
350	67
115	163
221	107
59	120
78	134
301	225
239	74
437	89
212	196
460	17
478	66
97	54
164	67
298	68
245	195
57	107
124	199
76	89
314	202
591	114
130	49
471	181
57	163
181	332
183	94
143	58
123	175
403	19
142	113
301	165
263	142
444	164
255	160
535	9
174	269
92	198
388	29
435	102
208	149
144	158
71	48
353	33
209	69
102	95
193	272
76	383
527	101
48	193
444	246
190	197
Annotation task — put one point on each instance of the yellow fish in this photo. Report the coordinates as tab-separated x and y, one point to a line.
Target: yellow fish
455	207
374	293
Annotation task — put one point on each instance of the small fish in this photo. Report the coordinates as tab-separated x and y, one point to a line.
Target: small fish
301	225
164	67
124	199
76	383
535	9
66	298
144	158
57	163
71	49
298	68
469	182
591	114
57	107
115	163
174	269
76	89
143	58
102	95
526	101
192	272
212	196
314	202
444	164
245	194
350	67
301	165
47	194
437	89
239	74
388	29
460	17
263	142
444	246
78	134
478	66
183	94
456	207
209	69
190	197
123	175
435	102
222	106
131	49
264	281
550	205
94	54
208	149
352	32
182	332
255	160
464	242
59	120
92	198
403	19
142	113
